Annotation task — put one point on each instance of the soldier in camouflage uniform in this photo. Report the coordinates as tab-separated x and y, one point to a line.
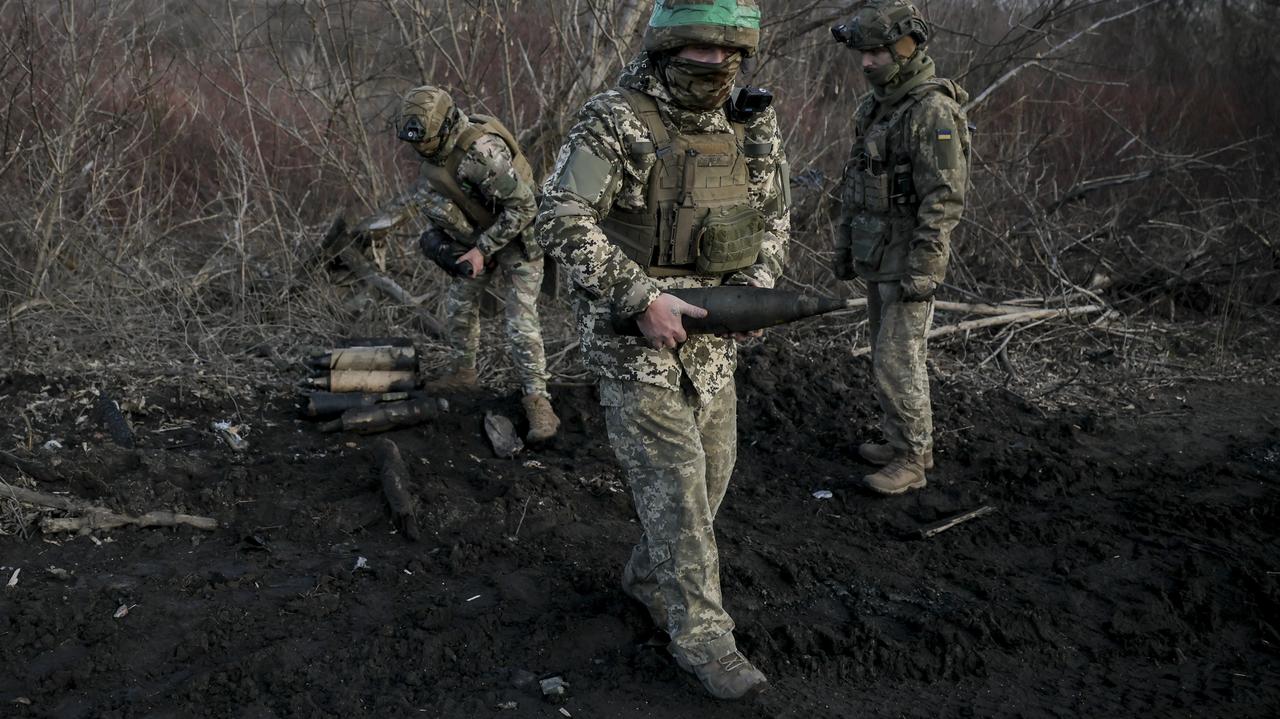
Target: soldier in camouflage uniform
902	196
477	192
656	188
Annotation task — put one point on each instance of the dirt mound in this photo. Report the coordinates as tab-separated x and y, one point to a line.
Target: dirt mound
1129	569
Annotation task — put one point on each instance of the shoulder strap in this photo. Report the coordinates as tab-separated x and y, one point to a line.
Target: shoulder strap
935	84
864	112
489	125
903	108
444	179
876	144
646	108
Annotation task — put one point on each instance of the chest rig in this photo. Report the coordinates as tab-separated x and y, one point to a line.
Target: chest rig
444	176
878	180
697	218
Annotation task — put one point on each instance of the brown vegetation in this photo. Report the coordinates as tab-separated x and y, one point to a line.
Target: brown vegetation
169	167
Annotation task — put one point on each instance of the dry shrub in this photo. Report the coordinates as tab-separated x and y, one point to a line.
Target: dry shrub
168	167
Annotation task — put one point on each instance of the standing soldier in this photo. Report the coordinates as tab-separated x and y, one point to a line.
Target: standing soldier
664	182
476	190
902	196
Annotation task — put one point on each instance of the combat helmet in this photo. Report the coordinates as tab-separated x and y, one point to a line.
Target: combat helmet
882	23
426	117
729	23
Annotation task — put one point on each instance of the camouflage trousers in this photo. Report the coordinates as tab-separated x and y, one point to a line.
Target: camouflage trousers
898	351
678	454
523	279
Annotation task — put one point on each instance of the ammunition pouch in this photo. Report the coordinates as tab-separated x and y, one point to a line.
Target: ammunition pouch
868	235
871	191
730	240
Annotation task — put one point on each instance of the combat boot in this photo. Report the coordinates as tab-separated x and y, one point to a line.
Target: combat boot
729	677
904	472
543	421
881	453
461	378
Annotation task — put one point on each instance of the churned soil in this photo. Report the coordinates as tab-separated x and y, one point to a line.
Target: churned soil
1130	567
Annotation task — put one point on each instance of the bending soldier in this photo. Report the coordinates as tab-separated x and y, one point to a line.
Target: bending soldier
658	187
902	195
477	192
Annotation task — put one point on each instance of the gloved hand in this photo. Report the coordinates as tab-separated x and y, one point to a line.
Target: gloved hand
917	289
842	264
444	252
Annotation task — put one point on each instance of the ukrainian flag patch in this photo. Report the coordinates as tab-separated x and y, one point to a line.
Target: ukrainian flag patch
946	149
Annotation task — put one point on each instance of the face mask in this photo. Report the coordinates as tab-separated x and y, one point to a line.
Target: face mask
883	75
701	86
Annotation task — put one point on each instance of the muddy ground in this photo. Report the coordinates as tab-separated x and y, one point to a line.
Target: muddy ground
1131	568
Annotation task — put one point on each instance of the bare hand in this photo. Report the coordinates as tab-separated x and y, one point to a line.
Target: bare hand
661	321
475	258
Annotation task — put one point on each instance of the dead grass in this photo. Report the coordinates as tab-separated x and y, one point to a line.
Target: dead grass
18	519
168	174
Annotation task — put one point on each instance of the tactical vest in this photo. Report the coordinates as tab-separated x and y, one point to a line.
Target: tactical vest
444	177
697	218
879	185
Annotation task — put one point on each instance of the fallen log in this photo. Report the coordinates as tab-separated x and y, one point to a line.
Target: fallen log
95	517
106	519
395	485
999	320
40	499
977	308
339	243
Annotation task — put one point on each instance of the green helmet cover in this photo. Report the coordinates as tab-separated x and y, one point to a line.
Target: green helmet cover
881	23
728	23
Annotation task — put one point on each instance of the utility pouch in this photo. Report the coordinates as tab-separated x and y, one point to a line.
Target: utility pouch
729	240
875	189
868	235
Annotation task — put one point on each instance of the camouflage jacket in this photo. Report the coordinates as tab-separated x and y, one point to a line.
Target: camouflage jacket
607	283
485	172
928	150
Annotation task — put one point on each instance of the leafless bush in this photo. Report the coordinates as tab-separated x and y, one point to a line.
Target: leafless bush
168	167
